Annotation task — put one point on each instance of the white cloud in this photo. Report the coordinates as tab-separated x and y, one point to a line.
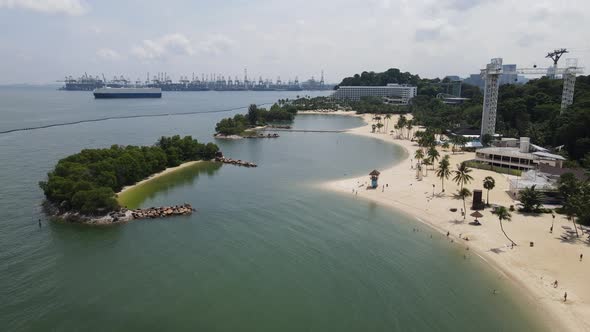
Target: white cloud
217	44
109	54
67	7
163	47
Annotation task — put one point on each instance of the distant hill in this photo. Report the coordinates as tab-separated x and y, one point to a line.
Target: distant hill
392	75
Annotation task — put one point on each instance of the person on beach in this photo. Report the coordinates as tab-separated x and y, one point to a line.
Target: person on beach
495	292
564	296
555	284
448	233
40	227
581	256
551	230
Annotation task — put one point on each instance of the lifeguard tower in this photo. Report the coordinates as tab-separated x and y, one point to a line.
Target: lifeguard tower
374	177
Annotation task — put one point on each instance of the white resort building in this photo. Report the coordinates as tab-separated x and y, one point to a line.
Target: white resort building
393	93
524	157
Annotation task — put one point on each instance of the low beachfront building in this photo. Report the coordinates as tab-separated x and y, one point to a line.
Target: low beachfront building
392	93
524	157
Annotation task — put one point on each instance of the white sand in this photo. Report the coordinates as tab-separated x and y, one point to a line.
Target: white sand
530	268
157	175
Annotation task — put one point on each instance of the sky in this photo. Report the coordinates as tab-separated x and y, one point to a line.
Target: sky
42	41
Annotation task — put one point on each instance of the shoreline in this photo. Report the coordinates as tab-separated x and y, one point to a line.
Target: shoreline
531	269
157	175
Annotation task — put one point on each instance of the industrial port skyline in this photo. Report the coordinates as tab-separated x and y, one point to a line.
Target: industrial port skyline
196	82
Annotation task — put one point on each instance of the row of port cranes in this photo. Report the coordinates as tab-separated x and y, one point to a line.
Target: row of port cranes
204	82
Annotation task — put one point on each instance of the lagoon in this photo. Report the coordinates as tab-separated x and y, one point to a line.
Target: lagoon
266	251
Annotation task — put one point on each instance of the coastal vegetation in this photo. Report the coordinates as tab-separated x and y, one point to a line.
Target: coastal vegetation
576	195
87	181
464	193
279	112
502	213
530	200
488	183
462	175
443	171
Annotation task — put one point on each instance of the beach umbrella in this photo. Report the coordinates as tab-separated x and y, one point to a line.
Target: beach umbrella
476	215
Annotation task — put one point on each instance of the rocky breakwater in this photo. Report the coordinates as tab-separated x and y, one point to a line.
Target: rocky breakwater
162	212
235	162
116	217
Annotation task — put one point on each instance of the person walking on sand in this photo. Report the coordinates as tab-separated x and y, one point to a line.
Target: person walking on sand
581	256
565	297
551	230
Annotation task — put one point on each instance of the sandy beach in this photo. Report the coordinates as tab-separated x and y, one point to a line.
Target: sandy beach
157	175
533	269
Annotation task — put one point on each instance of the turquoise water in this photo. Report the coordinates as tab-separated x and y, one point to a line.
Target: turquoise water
266	251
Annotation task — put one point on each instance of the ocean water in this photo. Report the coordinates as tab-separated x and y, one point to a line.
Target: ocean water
266	251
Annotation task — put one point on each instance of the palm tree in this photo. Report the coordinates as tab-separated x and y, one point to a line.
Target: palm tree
444	171
462	174
409	126
503	214
489	183
463	194
433	155
419	154
396	127
530	199
379	126
401	123
387	118
445	145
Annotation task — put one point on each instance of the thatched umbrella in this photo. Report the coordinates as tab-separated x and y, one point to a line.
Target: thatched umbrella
375	173
476	215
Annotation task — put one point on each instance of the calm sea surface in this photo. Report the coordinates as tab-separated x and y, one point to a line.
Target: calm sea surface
265	252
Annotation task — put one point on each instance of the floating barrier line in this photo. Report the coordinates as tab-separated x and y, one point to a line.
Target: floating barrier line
123	117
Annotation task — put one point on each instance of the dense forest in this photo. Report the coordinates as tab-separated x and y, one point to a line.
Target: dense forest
87	181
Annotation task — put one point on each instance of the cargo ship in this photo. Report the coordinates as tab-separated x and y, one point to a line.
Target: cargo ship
127	93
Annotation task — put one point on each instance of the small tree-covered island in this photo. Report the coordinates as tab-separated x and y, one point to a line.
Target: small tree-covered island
82	187
240	125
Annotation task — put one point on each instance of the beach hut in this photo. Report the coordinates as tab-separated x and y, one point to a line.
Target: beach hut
374	177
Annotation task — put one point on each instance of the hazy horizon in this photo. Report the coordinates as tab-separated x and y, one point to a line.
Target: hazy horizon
45	40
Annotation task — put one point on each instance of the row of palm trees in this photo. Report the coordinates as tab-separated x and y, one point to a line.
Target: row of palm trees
462	177
427	142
